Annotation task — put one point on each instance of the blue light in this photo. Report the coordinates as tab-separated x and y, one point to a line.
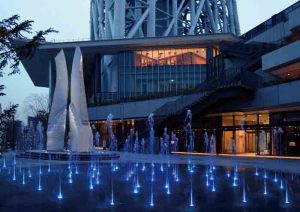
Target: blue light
213	187
287	201
135	190
265	188
228	173
59	196
265	175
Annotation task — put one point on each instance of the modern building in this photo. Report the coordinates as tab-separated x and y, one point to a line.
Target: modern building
167	57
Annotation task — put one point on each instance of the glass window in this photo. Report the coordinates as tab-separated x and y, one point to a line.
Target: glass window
196	56
264	119
227	120
248	119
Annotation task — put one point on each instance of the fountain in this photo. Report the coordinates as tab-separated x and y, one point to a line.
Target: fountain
40	183
97	139
14	172
112	202
174	142
244	191
23	177
127	144
212	144
191	191
166	142
59	196
213	186
265	174
40	135
4	161
281	182
136	147
143	146
189	136
206	142
151	195
287	201
265	187
112	137
150	123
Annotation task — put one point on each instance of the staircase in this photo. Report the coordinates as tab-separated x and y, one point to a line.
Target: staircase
236	85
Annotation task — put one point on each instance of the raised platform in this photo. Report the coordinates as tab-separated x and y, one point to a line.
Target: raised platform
66	155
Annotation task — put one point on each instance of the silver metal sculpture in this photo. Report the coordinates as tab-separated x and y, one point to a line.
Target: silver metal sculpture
80	134
58	112
80	131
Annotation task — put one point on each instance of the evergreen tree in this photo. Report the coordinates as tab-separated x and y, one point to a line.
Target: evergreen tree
13	29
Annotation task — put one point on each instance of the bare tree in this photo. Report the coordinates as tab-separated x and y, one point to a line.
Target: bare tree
36	104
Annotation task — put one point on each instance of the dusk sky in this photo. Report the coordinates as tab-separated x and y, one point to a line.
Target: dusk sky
71	19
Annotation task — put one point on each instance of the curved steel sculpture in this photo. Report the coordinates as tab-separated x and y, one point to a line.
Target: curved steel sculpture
58	112
80	131
81	138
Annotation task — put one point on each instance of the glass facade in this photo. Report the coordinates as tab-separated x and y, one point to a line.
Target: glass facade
246	133
160	71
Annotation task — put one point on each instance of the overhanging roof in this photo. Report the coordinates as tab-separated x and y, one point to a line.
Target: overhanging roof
37	67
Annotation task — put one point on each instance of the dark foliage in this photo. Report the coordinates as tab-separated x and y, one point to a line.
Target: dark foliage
12	29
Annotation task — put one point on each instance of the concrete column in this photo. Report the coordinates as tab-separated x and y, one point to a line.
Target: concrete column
50	83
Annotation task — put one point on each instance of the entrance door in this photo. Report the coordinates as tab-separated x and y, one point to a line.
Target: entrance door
250	142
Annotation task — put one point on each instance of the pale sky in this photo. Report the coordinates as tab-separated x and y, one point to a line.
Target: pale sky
71	19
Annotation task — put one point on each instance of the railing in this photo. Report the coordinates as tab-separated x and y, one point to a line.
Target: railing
117	97
276	19
230	77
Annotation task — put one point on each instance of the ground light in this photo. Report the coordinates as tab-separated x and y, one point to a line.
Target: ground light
40	183
265	187
191	191
287	201
59	196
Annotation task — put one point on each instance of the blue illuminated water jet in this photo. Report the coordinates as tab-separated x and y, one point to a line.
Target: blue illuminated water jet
151	196
265	187
76	170
213	186
275	177
161	167
191	192
40	183
207	181
228	173
4	162
23	177
29	172
40	169
91	186
112	193
281	182
144	167
59	196
244	192
265	174
256	172
287	201
14	173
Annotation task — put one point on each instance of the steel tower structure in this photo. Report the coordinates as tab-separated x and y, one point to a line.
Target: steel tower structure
118	19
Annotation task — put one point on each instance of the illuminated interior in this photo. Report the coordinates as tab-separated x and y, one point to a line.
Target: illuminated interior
193	56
